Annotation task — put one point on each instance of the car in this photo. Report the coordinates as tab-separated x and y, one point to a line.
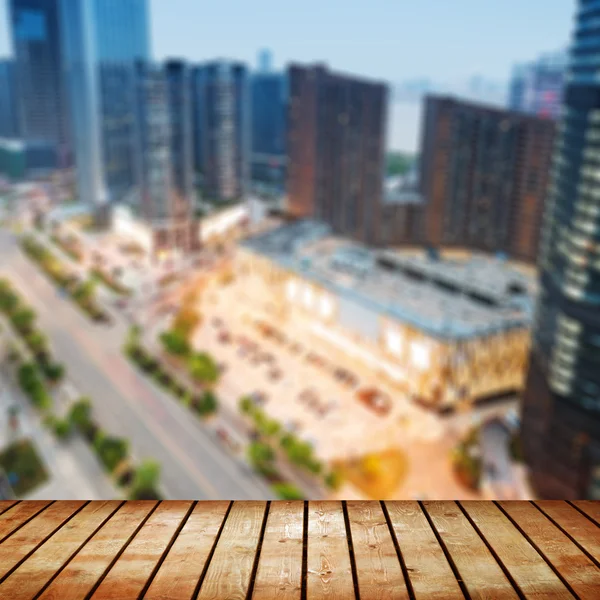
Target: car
224	338
375	400
275	375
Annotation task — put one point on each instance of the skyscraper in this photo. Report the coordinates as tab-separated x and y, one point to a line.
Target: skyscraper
9	121
561	404
36	30
178	76
269	127
221	106
536	88
336	149
163	156
264	61
483	177
102	40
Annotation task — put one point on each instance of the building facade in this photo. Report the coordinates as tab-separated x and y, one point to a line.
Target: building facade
269	128
102	40
9	120
483	178
561	404
446	334
43	110
161	204
537	88
221	107
336	149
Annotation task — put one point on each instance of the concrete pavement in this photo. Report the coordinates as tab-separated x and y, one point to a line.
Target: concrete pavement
125	403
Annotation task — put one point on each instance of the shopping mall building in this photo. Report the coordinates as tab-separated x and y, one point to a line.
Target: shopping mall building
445	332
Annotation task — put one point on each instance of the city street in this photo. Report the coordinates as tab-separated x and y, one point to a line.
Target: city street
126	404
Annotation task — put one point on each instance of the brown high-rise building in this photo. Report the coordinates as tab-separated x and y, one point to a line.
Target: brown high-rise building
484	174
336	150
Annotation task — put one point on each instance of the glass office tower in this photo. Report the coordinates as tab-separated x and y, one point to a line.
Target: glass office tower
561	404
9	121
35	27
102	41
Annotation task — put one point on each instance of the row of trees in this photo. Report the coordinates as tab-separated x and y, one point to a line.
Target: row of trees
271	436
204	403
82	292
23	321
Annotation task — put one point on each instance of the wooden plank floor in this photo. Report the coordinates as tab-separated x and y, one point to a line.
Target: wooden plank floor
299	550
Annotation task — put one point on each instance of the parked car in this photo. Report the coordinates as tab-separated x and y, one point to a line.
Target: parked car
275	375
375	400
224	338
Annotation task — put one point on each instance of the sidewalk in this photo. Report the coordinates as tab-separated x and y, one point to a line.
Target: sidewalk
75	470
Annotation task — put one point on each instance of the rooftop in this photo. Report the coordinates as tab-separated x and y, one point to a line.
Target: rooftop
446	298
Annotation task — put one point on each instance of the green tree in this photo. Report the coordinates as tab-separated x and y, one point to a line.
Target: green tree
333	480
175	342
203	368
261	457
287	491
246	405
54	372
145	481
36	341
9	301
80	414
207	404
112	450
23	319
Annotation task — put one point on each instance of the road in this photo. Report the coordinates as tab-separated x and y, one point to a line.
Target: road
194	466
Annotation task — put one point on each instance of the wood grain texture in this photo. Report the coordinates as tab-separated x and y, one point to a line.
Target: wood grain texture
6	504
35	572
329	572
180	572
428	569
378	570
579	527
529	570
14	517
26	539
81	574
591	509
481	574
131	572
229	572
279	573
573	565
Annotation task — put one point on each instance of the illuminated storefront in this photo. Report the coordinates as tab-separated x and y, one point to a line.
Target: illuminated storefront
458	358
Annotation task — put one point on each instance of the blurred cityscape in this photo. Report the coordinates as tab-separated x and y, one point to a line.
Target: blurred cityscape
224	281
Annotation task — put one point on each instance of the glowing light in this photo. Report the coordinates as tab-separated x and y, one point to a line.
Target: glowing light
291	289
326	306
308	297
419	354
394	342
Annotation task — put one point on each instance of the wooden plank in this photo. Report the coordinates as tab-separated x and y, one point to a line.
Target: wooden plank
476	565
279	574
181	570
33	574
590	507
528	569
16	547
573	565
81	574
130	574
17	515
6	504
228	575
378	570
580	528
329	571
428	569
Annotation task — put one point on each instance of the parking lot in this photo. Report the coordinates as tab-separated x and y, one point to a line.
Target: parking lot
337	405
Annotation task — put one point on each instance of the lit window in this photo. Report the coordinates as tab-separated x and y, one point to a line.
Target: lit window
419	354
292	289
394	342
326	307
308	297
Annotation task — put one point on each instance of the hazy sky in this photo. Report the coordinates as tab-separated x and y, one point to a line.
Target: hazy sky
444	40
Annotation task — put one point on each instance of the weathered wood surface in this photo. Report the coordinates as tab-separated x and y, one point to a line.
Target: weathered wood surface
299	550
